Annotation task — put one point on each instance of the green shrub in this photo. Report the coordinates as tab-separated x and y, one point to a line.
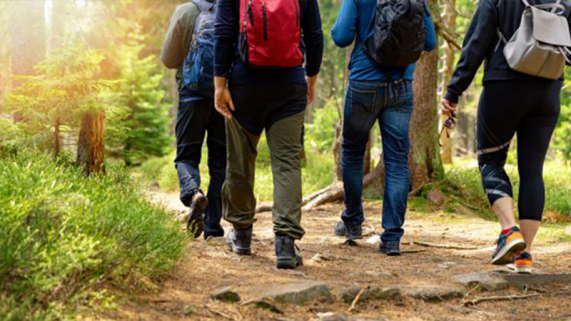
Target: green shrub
65	237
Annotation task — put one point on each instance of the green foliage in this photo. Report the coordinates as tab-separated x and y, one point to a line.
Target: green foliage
320	134
141	124
66	87
65	236
464	182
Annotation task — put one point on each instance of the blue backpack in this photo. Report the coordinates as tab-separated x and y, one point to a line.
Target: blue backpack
198	68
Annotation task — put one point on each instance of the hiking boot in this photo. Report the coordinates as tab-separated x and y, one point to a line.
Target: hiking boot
350	232
508	245
195	223
240	241
390	248
287	253
523	263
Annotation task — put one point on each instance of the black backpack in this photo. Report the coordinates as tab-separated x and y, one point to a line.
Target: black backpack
398	37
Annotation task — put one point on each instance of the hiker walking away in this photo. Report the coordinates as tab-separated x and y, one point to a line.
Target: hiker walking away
523	76
380	90
189	48
261	85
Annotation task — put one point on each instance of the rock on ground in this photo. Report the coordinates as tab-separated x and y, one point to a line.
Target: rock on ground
486	281
433	292
226	294
330	316
298	293
375	293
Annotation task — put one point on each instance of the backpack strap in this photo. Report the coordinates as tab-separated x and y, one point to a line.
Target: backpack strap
205	5
554	7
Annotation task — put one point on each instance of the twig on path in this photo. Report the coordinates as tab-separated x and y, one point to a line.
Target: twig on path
499	298
357	298
511	297
218	313
412	251
445	246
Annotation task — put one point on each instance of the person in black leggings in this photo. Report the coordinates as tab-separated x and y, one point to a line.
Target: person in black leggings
511	104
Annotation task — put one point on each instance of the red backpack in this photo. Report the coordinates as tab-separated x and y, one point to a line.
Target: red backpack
270	33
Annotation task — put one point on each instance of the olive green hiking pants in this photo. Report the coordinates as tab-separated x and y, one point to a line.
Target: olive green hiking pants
238	200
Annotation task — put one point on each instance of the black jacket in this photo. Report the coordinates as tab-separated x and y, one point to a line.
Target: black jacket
482	42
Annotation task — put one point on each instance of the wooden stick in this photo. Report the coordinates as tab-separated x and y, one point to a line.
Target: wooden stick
218	313
357	298
445	246
511	297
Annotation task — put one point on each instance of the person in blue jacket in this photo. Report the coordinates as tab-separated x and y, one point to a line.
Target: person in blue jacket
382	94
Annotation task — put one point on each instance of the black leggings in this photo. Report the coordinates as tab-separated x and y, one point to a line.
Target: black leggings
529	108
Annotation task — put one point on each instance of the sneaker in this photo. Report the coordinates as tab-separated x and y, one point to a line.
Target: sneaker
195	223
350	232
240	241
390	248
523	263
287	253
508	245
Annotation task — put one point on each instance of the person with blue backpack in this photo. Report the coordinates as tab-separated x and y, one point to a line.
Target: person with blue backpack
389	38
189	48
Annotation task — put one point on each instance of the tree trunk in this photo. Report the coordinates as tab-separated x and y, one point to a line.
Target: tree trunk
91	143
424	157
28	37
449	21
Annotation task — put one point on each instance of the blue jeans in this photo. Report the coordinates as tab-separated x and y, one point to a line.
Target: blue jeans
391	104
196	117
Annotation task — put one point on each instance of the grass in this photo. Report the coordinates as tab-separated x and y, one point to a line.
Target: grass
463	182
66	239
317	172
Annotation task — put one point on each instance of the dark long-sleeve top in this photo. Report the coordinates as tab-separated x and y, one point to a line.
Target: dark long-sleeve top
228	64
482	43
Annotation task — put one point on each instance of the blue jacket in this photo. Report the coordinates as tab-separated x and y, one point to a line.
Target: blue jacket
355	22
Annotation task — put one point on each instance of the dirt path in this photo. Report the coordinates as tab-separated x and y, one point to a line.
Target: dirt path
185	294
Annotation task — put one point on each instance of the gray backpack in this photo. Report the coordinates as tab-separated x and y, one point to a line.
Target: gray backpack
540	46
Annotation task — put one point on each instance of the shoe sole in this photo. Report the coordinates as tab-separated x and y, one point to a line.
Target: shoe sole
506	255
289	263
195	223
238	250
523	269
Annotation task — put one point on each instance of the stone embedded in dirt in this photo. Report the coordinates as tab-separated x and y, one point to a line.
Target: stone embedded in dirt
330	316
298	293
435	197
375	293
226	294
367	274
486	281
537	279
433	292
446	265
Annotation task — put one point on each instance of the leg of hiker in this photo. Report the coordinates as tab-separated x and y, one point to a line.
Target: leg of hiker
191	123
216	142
394	121
361	111
283	141
285	147
534	135
238	200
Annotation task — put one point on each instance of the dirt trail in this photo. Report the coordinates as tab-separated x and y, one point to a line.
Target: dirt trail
185	293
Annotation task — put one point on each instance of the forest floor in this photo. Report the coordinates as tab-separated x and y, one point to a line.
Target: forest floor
419	285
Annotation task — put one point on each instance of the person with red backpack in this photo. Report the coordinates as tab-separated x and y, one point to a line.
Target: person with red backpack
263	83
189	48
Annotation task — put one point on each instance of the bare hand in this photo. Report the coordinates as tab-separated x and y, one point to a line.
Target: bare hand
448	107
311	82
223	102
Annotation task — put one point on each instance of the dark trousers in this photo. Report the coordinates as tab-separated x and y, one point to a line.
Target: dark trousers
389	104
195	118
530	109
269	109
